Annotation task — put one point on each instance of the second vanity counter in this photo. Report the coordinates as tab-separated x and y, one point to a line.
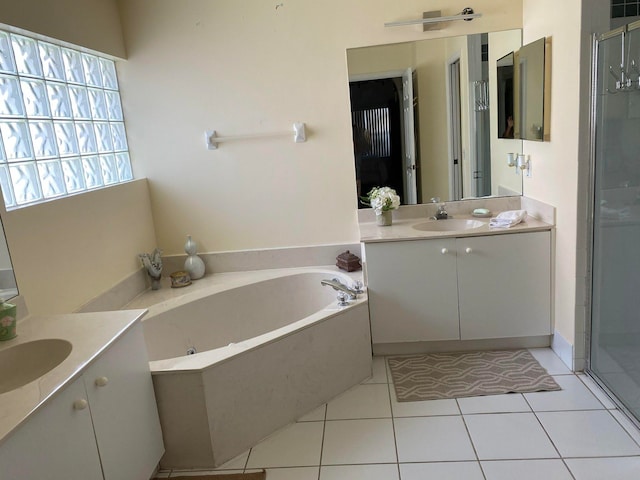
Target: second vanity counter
90	334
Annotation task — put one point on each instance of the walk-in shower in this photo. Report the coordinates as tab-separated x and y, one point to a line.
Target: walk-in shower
614	341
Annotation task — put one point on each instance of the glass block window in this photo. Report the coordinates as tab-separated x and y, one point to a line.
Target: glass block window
61	124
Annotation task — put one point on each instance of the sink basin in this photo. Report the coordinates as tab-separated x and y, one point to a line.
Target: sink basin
25	362
449	225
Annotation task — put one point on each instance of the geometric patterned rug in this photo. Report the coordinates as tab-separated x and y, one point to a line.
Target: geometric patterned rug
434	376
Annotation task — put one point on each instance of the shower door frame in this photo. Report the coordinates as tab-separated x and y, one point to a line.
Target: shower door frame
593	120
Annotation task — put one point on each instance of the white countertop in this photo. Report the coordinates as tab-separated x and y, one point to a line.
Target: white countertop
402	229
89	333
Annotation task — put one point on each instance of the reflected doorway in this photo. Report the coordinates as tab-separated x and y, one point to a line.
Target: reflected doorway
384	126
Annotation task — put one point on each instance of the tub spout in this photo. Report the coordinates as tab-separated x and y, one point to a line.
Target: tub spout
338	285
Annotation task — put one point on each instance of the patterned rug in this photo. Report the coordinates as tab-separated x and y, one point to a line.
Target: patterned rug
436	376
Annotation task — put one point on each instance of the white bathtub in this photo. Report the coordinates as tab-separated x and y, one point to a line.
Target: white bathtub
272	345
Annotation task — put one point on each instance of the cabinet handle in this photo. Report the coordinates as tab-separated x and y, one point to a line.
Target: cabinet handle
80	404
469	250
101	381
444	251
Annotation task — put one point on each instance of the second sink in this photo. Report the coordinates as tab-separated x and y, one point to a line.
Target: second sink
449	225
25	362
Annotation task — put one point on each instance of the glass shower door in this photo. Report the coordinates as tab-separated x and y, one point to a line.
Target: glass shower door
615	299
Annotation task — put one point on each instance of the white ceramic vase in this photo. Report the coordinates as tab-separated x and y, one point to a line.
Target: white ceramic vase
193	264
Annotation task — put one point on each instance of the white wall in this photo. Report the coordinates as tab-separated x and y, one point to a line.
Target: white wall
249	67
555	163
93	24
68	251
560	166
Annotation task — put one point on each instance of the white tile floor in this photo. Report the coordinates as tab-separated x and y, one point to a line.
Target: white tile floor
364	434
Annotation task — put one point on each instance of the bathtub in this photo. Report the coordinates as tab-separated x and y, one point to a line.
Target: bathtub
270	345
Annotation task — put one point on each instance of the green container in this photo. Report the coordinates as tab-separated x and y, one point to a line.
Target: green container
7	321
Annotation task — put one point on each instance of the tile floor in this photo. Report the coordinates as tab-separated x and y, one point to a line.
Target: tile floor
364	434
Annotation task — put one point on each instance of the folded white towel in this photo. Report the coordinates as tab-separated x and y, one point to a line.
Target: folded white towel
508	219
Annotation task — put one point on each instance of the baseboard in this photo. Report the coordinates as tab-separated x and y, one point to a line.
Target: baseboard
563	349
409	348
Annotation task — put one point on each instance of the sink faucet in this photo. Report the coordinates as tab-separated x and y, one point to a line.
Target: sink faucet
338	285
442	212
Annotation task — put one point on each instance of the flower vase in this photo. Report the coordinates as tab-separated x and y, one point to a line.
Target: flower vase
193	264
384	218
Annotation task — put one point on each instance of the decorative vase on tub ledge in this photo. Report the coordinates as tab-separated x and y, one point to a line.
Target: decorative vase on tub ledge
383	200
153	263
193	264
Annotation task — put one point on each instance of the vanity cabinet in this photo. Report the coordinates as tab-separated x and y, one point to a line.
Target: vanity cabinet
56	442
465	288
104	425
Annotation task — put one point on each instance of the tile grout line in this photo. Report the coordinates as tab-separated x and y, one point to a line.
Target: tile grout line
475	451
393	422
324	426
549	437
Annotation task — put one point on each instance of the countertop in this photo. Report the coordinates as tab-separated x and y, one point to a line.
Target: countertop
402	229
89	333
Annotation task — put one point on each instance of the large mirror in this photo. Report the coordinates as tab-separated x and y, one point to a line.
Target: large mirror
8	285
425	118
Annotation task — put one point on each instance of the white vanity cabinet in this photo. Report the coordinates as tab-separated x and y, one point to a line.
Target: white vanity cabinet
123	409
504	285
104	425
412	290
465	288
56	442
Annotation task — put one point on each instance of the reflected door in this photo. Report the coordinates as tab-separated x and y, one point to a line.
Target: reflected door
455	129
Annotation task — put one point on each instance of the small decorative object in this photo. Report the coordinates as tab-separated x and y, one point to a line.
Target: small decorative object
7	321
193	264
348	261
153	263
382	200
180	279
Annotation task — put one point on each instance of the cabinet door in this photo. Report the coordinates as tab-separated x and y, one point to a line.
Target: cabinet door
124	411
504	284
57	442
412	290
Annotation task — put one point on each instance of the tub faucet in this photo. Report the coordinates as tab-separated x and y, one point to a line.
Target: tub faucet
338	285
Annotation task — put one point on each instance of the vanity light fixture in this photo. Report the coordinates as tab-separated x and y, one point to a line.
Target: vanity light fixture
467	15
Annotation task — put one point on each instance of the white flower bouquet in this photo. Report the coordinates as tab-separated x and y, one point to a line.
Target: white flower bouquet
382	199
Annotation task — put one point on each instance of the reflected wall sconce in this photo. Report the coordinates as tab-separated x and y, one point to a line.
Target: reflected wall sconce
430	20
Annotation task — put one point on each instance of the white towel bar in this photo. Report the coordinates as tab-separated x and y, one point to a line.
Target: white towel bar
299	136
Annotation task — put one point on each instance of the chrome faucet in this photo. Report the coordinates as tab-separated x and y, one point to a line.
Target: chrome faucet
442	212
339	286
